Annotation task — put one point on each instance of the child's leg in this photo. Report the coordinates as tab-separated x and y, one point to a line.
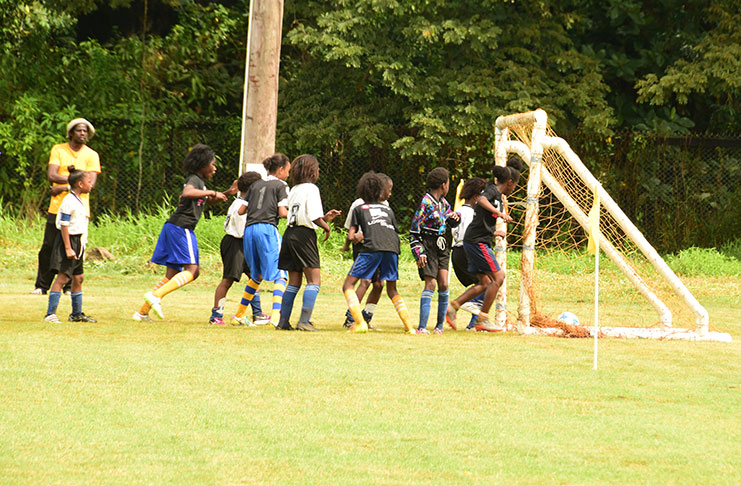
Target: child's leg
177	280
256	305
220	294
425	302
313	283
279	288
77	294
352	299
442	297
145	308
360	292
55	293
294	285
399	305
249	293
491	294
372	301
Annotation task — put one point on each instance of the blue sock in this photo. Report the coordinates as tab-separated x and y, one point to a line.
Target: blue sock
77	302
310	293
256	306
53	302
472	323
442	307
425	303
479	299
287	306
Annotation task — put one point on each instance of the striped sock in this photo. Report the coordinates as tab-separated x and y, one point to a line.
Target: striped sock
307	306
76	302
287	305
354	305
425	304
401	309
175	283
249	293
442	307
53	302
145	308
279	288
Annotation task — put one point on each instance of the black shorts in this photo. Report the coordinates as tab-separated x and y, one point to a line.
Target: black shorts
460	267
59	263
298	250
437	249
232	258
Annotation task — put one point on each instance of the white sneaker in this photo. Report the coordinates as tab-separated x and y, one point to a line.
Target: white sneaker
471	307
38	291
486	325
154	302
141	317
260	319
52	318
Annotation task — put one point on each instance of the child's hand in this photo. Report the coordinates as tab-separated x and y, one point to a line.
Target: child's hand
326	233
357	238
421	261
71	255
455	216
219	196
500	234
57	190
331	214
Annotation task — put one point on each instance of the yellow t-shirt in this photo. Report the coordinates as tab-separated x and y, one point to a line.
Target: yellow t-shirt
84	159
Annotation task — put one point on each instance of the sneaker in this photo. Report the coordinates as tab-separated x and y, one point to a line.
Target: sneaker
240	321
471	307
52	318
450	317
348	323
260	319
487	326
154	302
422	330
38	291
437	331
81	317
285	327
305	326
359	328
141	317
216	321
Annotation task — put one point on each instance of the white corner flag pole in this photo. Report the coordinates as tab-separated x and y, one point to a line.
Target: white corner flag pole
594	237
246	89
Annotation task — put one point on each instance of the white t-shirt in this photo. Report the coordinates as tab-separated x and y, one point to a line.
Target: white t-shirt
459	231
304	205
234	222
73	214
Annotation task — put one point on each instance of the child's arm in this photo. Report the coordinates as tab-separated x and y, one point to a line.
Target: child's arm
67	245
355	236
484	203
322	222
211	196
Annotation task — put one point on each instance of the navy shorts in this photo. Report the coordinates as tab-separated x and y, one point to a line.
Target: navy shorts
481	258
176	247
386	262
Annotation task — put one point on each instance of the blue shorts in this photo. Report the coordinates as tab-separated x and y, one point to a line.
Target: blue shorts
481	258
261	245
176	247
366	264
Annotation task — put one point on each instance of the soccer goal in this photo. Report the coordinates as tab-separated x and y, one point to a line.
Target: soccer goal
553	214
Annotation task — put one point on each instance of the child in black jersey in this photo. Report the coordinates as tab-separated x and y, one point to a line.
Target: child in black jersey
477	244
374	224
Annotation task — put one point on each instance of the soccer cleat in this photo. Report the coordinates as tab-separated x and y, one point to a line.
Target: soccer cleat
240	321
216	321
260	319
359	328
81	317
437	330
472	307
487	326
154	302
348	323
306	326
284	327
38	291
141	317
450	314
422	330
52	318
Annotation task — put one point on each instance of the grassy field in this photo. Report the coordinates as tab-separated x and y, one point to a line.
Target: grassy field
177	401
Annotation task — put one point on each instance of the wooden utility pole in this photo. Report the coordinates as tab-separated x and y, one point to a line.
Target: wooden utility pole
260	103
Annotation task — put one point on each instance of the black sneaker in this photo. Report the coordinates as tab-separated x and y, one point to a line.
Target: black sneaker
284	327
305	326
81	317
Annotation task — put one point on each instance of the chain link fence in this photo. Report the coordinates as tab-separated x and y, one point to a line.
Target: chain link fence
680	192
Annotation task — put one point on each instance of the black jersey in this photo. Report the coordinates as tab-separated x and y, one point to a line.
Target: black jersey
378	224
189	210
263	199
483	225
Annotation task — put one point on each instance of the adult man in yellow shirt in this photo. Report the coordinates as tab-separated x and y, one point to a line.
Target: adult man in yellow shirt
75	153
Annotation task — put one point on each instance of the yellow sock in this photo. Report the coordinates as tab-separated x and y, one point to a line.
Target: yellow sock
279	288
249	293
454	304
175	283
145	308
401	309
354	305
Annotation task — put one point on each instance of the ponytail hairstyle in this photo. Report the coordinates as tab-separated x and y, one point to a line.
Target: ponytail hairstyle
75	176
472	187
504	174
515	162
275	162
304	168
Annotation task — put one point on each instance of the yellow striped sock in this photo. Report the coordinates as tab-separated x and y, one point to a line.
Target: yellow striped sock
175	283
247	296
401	309
354	305
279	288
145	308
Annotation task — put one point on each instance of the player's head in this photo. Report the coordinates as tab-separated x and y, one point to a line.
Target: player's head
245	181
515	162
80	130
277	165
472	188
388	186
304	168
200	160
79	180
507	178
437	178
370	187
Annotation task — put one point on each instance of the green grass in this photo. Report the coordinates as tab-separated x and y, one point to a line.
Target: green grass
176	401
